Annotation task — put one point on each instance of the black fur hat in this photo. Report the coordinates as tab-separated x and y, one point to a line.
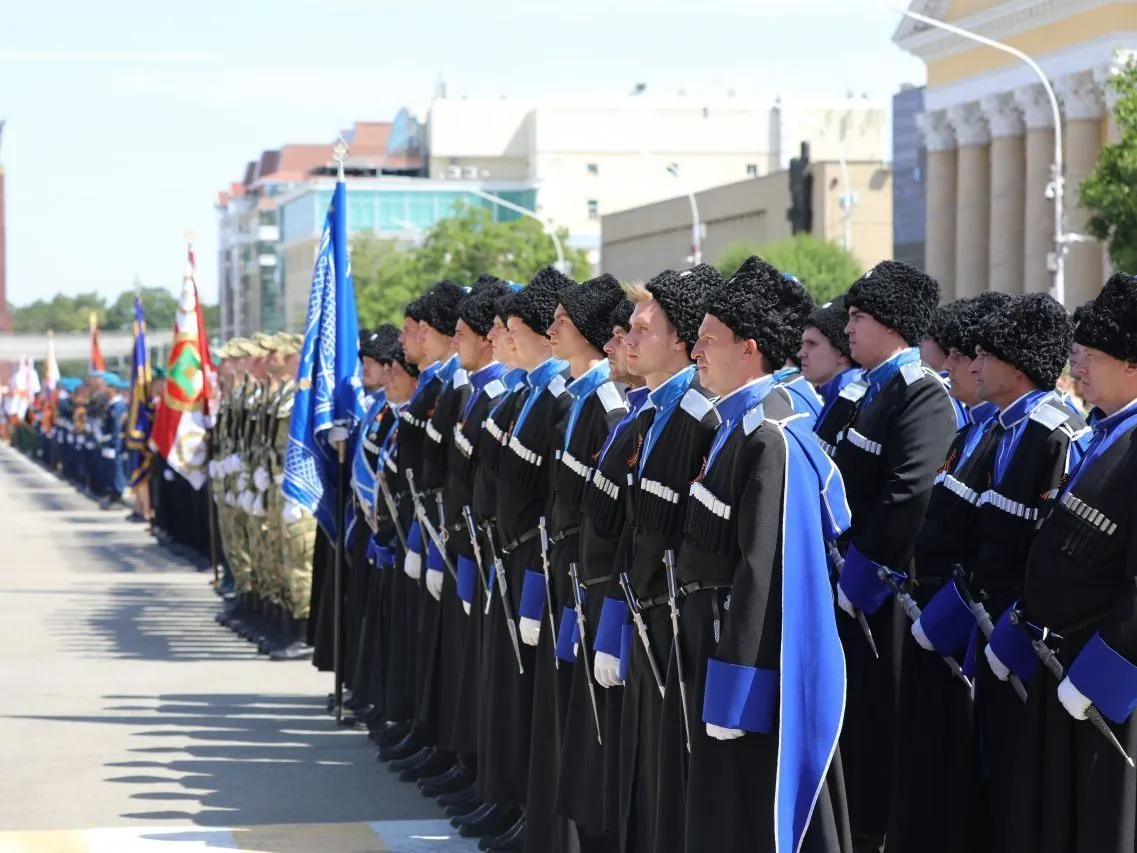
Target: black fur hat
1032	332
1081	310
761	304
416	309
830	319
941	320
590	305
899	296
962	329
622	315
378	343
536	303
443	303
683	295
478	308
1109	323
398	354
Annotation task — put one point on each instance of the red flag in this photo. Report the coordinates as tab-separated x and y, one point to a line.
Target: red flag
95	362
179	427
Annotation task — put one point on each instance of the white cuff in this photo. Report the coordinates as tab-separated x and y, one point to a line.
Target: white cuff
844	603
412	565
997	666
292	512
921	637
337	435
434	583
168	475
261	479
719	733
530	630
466	607
1073	700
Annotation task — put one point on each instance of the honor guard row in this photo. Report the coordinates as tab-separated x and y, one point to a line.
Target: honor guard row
697	564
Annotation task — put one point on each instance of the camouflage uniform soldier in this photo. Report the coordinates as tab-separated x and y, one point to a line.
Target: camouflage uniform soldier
298	542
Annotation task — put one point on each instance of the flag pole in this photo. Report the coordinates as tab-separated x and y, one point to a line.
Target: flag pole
339	225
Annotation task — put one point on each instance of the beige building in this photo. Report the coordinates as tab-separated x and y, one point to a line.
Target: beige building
989	130
591	158
640	242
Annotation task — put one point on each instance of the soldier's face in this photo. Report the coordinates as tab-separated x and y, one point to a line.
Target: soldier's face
820	360
411	341
502	342
1108	383
964	386
617	354
870	341
470	345
652	342
996	380
565	338
400	384
532	347
932	355
372	377
725	363
435	345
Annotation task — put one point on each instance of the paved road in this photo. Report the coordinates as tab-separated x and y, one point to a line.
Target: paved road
130	722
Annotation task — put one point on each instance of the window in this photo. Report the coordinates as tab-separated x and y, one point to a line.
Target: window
593	169
752	170
593	209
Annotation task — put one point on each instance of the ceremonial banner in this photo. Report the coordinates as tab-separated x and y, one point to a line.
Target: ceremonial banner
51	366
180	420
328	391
25	387
141	415
95	361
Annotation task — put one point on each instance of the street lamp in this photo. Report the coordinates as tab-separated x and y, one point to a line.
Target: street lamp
1054	189
696	223
524	211
847	200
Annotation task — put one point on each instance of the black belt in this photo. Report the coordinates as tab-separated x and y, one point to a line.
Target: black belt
564	534
654	601
683	591
510	547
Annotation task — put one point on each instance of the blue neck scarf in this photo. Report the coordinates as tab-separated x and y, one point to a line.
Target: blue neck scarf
580	389
733	408
1106	431
479	379
635	400
538	380
879	376
664	400
1013	420
831	389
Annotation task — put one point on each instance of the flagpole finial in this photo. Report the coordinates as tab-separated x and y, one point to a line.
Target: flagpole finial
94	318
189	235
137	285
339	154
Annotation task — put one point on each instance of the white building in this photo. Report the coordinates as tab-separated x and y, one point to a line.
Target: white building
590	157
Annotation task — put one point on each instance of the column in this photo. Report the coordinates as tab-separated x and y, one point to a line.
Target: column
1082	104
1008	179
939	241
1038	228
972	200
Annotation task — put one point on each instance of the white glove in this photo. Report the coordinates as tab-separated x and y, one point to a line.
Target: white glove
466	607
997	666
412	565
233	463
434	583
844	603
530	630
337	435
242	482
1073	700
921	637
278	478
259	506
261	479
168	476
719	733
606	670
212	469
292	512
230	499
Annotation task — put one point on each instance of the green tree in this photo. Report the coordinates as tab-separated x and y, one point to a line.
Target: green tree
463	246
386	278
1108	190
159	305
825	269
60	313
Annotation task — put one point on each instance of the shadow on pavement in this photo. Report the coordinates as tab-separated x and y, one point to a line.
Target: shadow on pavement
267	759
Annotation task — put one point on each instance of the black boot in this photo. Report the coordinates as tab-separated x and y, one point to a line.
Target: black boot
513	839
467	798
495	822
423	753
408	746
457	778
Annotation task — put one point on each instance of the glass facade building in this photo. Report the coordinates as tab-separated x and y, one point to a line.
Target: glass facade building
909	183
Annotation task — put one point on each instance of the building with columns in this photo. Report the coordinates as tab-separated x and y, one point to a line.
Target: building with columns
988	126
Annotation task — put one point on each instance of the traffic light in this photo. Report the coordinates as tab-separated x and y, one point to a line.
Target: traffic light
800	214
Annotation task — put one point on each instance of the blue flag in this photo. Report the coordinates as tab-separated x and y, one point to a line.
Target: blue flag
141	416
328	392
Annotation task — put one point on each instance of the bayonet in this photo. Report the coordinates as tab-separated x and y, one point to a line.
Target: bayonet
582	626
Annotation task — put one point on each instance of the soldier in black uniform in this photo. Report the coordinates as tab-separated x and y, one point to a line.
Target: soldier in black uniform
888	455
460	642
578	334
673	434
525	466
1073	793
589	777
934	725
827	361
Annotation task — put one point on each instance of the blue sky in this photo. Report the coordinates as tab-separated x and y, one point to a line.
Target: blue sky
126	116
